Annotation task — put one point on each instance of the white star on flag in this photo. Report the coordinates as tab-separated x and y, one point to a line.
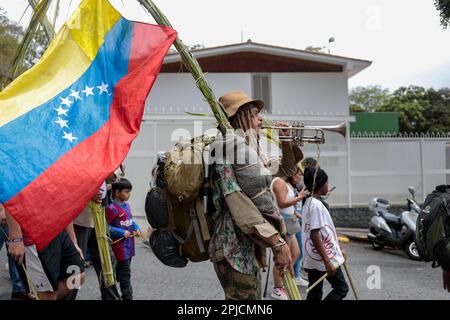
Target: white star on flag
103	88
75	94
69	136
66	101
61	111
62	123
88	91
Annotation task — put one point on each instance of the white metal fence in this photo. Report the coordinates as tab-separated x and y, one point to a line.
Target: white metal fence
386	166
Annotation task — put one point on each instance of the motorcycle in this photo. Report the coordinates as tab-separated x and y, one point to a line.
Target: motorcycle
387	229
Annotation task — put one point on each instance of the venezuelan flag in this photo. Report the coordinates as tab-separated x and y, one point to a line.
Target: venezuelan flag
69	121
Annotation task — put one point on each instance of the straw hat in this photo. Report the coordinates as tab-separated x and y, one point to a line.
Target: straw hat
233	100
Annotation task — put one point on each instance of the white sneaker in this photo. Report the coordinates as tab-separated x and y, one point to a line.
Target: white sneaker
279	293
301	282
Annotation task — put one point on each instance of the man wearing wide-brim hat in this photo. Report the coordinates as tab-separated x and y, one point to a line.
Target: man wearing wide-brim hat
241	232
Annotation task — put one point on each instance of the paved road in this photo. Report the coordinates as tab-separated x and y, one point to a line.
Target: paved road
401	278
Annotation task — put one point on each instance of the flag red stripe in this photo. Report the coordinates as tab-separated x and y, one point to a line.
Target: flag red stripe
55	198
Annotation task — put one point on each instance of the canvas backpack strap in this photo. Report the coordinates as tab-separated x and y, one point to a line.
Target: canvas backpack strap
196	227
188	235
446	220
202	220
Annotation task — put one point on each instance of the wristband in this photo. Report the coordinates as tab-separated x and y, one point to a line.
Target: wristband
277	247
15	240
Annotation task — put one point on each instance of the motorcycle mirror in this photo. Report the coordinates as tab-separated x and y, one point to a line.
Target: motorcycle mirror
412	191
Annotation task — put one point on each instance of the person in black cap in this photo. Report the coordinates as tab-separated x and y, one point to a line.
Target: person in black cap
321	249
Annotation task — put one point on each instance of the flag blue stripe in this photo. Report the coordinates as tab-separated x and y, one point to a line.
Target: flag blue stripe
31	143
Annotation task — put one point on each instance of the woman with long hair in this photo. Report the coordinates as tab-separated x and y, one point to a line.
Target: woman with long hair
286	200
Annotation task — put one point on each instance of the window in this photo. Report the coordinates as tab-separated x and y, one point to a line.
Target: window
261	87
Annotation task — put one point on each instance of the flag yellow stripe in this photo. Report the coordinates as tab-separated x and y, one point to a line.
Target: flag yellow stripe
68	56
90	23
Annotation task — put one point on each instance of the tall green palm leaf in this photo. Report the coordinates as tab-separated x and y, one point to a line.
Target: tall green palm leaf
38	20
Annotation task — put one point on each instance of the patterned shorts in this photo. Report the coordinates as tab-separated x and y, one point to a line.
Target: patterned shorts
237	285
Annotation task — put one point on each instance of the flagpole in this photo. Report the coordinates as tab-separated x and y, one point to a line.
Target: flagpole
193	66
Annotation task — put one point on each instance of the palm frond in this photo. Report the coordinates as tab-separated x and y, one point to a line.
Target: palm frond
55	17
48	28
39	18
24	12
198	114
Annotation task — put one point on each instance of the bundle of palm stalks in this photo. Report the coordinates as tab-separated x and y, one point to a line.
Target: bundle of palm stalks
290	286
98	214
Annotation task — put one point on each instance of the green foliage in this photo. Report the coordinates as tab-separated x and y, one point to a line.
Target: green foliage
33	34
419	109
443	6
367	99
10	37
9	41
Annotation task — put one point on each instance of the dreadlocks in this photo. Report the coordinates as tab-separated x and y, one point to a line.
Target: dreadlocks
244	126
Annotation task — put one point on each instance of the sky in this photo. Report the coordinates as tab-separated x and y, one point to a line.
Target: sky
403	38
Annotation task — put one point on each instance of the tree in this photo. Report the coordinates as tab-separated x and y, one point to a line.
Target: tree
443	6
410	103
9	41
367	99
437	114
10	36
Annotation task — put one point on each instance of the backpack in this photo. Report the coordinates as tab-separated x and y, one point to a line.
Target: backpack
184	203
155	201
433	228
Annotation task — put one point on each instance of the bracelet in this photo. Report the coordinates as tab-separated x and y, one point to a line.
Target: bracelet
15	240
278	245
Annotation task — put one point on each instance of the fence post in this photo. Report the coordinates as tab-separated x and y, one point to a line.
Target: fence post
422	169
155	141
349	172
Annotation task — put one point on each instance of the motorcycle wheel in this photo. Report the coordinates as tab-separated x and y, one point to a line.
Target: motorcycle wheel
377	246
412	251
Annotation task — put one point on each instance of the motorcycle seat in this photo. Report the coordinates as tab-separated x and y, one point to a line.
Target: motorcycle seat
383	201
392	220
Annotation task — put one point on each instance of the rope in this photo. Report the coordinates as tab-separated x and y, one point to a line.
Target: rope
30	283
202	77
132	236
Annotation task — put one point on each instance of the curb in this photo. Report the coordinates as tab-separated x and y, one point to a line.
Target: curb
356	237
343	239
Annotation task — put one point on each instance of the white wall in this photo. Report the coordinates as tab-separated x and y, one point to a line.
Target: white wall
292	93
308	93
386	167
178	90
